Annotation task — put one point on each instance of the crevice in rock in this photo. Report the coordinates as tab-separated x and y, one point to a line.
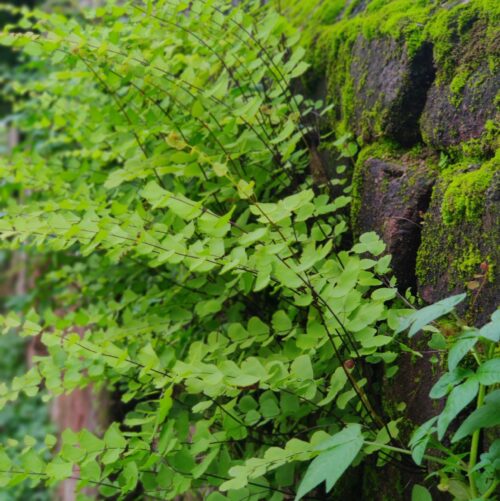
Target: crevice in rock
422	74
415	241
395	197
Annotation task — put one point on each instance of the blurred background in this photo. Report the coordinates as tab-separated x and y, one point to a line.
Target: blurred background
27	417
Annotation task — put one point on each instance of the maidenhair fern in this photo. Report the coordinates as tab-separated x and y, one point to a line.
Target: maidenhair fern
202	276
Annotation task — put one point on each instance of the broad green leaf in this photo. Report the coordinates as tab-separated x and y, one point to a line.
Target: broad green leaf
461	396
488	372
420	318
486	416
245	189
448	381
269	406
337	383
336	456
420	493
5	461
59	470
491	330
89	442
299	69
113	437
420	439
287	276
129	477
281	322
460	348
384	294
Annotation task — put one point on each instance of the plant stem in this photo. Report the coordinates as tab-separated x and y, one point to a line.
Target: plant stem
408	453
491	489
475	444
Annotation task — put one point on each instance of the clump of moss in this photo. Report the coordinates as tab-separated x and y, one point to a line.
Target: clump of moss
454	241
464	197
483	146
394	18
470	261
455	254
431	258
312	11
457	86
472	23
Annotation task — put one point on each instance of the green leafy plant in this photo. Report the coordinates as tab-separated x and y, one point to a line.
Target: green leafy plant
473	376
201	276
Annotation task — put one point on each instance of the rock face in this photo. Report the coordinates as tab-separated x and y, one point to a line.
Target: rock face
389	88
460	248
394	196
410	75
450	119
462	101
417	84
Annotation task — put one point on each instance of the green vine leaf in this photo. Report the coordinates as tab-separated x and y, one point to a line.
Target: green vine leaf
486	416
337	454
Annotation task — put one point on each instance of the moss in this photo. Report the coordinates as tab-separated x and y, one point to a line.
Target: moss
330	29
462	264
395	18
469	263
457	238
456	87
472	23
483	146
464	197
431	259
311	11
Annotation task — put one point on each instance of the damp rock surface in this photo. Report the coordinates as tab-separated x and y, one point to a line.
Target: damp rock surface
394	195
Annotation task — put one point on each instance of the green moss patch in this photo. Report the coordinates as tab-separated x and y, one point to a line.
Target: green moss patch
464	197
474	24
463	36
460	232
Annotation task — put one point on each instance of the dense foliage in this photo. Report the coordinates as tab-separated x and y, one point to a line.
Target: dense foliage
190	266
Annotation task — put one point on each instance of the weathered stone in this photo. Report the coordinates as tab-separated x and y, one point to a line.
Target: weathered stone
392	196
451	118
428	75
390	88
460	248
463	97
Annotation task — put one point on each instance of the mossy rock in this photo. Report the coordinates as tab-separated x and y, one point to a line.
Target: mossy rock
391	191
460	249
385	61
374	59
451	119
462	104
389	89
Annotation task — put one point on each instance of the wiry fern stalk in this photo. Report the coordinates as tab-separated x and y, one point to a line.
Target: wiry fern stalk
167	163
